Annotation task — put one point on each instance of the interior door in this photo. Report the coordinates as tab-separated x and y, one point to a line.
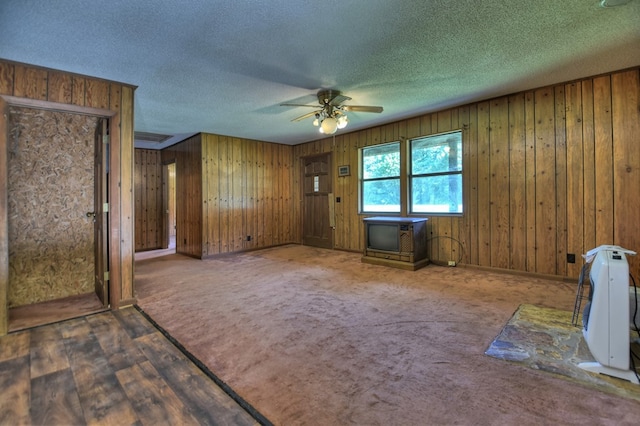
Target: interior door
317	229
100	216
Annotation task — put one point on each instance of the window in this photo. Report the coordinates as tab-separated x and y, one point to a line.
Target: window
435	179
380	179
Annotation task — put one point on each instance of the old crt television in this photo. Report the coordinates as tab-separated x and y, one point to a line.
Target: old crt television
395	239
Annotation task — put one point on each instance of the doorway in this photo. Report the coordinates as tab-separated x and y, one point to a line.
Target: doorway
56	195
169	183
168	238
317	229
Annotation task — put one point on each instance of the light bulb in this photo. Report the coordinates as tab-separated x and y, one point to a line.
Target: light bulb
342	122
329	125
316	122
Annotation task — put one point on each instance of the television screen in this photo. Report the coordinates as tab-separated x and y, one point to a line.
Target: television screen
383	236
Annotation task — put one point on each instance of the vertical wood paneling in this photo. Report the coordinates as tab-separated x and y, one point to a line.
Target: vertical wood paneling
148	199
245	191
60	88
546	172
561	181
4	223
499	182
589	167
126	240
626	162
603	185
7	71
78	92
517	186
530	180
545	181
483	168
189	195
575	188
30	82
472	186
97	94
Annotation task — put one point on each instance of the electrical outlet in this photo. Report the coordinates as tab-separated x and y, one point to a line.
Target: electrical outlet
571	258
452	263
248	237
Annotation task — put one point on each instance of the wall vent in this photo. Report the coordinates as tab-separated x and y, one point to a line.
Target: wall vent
150	137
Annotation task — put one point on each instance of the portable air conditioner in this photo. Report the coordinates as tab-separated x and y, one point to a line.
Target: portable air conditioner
606	316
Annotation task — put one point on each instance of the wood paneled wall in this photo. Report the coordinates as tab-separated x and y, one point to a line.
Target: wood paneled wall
148	198
247	188
232	194
53	89
547	172
188	158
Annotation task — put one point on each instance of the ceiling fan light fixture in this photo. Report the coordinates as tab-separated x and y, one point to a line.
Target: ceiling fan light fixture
342	121
329	125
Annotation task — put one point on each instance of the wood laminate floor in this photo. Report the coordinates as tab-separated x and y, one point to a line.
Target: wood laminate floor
109	368
28	316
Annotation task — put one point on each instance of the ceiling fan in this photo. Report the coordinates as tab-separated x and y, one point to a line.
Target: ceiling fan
331	115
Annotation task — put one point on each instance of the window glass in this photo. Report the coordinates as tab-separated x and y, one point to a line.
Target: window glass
380	178
436	174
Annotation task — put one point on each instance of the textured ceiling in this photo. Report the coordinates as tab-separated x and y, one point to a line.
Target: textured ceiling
224	66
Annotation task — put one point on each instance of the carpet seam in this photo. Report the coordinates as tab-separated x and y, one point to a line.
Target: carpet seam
257	416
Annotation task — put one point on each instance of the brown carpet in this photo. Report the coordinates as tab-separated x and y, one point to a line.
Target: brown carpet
313	336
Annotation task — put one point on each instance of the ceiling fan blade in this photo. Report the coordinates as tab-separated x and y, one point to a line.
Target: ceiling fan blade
361	108
300	105
338	99
307	115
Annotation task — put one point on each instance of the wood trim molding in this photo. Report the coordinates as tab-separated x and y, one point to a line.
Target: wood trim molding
5	102
55	106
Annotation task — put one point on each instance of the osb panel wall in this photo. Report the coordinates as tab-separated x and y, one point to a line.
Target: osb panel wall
50	189
148	199
547	172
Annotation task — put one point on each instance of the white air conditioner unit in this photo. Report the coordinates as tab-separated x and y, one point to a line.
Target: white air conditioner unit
606	316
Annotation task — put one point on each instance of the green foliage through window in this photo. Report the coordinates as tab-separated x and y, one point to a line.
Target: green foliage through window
436	174
381	178
433	176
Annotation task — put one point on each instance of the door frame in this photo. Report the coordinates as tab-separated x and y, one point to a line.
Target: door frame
330	197
114	123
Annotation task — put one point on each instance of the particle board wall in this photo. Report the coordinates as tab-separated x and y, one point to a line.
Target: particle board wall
62	91
50	189
546	172
232	194
148	200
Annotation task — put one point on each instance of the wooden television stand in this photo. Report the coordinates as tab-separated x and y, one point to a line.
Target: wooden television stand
398	242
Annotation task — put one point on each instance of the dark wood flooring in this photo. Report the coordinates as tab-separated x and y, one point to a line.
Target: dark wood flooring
109	368
28	316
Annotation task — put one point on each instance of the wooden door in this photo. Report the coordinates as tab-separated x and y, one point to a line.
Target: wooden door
316	227
100	212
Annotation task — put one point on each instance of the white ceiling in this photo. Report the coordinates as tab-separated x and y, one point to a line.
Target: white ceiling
224	66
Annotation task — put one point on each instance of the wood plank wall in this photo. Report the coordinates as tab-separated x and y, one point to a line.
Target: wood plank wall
229	189
148	200
188	158
247	189
547	172
43	84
